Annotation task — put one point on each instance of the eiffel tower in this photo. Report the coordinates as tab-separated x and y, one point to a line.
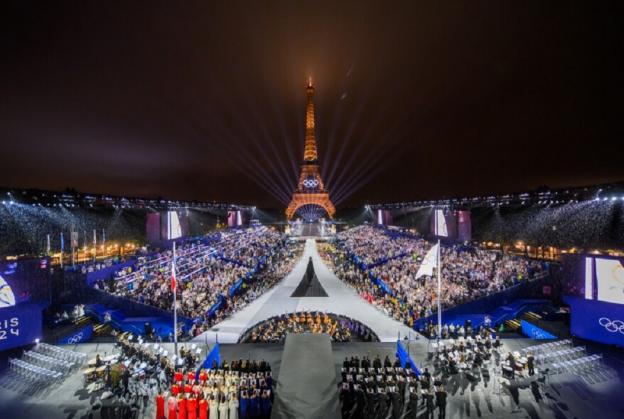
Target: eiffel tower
310	199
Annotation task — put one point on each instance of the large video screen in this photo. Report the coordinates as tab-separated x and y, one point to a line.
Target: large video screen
440	227
602	278
610	280
173	225
152	227
238	218
595	288
384	217
596	320
174	228
23	290
443	224
464	226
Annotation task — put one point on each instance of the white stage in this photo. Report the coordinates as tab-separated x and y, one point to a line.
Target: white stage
341	300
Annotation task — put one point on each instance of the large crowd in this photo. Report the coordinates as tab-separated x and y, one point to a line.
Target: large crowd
468	272
140	372
339	328
205	274
371	246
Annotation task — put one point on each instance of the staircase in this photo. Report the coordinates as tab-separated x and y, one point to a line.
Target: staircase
512	325
101	329
556	328
531	317
82	321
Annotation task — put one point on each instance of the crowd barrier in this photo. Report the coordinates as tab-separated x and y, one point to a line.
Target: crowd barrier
562	355
49	362
45	364
547	347
577	366
33	373
63	354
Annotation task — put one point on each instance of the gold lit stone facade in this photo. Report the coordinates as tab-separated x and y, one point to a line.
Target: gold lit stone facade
310	189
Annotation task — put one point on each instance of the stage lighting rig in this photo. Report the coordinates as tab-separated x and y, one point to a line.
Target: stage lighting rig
74	199
540	197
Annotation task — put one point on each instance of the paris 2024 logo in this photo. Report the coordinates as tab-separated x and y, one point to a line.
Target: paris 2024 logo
7	298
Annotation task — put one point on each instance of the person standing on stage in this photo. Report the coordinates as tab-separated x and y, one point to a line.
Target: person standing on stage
441	402
531	364
413	402
430	403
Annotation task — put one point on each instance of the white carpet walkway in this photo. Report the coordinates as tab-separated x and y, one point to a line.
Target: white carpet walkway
341	300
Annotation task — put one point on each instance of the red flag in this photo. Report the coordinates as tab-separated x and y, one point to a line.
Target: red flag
173	277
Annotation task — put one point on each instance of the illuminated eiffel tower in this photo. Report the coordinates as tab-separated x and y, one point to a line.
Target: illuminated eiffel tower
310	199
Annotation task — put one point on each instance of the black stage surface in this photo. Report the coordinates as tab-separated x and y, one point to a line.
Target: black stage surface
306	386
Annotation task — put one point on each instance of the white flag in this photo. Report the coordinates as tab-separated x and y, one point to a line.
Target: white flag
429	262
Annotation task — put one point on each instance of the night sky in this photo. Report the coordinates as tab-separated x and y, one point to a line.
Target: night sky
206	101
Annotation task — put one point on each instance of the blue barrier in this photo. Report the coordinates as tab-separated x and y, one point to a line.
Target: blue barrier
80	336
216	306
380	283
236	287
404	358
534	332
385	260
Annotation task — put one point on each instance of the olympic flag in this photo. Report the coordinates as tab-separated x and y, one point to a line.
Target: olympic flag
429	262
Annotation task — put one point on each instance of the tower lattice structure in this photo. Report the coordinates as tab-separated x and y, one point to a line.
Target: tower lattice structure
310	188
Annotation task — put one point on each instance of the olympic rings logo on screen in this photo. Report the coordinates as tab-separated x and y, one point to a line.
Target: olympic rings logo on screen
612	326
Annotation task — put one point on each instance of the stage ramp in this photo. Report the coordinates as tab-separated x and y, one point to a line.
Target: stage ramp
307	386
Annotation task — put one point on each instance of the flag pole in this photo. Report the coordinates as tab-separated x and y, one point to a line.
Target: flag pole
62	248
175	305
439	296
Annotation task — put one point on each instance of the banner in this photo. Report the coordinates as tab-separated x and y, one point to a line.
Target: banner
596	320
214	355
404	358
81	336
234	288
216	306
534	332
20	325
